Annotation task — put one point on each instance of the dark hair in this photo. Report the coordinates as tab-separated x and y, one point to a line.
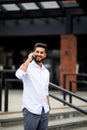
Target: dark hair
43	45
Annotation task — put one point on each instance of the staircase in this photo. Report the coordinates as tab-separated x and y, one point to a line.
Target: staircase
66	118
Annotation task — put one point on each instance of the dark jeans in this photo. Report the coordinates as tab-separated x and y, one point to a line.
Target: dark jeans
35	122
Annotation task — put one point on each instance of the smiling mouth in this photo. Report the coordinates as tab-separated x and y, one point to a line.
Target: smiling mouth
38	57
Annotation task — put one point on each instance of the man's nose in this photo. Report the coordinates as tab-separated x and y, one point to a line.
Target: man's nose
39	53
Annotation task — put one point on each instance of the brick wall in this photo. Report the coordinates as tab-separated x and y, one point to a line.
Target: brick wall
68	59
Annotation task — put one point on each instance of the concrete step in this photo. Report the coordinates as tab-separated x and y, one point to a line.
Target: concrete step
15	117
68	123
57	118
8	119
57	114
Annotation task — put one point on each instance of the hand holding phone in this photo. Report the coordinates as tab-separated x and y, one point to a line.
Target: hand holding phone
31	56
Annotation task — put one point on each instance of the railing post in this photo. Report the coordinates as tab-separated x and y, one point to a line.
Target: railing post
70	96
64	93
0	94
6	97
1	86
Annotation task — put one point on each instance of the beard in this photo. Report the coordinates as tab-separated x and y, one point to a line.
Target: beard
37	60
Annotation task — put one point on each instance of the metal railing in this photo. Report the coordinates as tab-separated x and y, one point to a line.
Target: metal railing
4	74
70	93
5	80
82	75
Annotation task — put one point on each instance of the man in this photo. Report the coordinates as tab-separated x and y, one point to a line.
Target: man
35	79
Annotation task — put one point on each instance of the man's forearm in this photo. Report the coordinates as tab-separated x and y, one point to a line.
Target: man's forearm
48	102
26	63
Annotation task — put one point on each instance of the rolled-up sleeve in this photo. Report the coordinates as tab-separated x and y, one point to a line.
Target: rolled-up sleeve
20	74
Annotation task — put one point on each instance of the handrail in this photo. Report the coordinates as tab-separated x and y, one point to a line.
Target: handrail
63	101
6	92
69	104
76	81
67	91
71	74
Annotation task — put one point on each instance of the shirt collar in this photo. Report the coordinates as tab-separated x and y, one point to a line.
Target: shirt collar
36	65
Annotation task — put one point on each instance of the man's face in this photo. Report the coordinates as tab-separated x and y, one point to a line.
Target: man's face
39	54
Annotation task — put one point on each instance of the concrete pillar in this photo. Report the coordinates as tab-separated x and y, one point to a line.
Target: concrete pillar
68	59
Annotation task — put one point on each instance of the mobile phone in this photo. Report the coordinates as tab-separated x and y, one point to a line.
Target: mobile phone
33	57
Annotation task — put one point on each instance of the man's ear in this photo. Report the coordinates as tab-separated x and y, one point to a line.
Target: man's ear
45	55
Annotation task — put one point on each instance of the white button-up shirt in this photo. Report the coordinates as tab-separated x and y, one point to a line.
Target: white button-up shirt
35	87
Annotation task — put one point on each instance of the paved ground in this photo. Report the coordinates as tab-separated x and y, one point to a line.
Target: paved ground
20	127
